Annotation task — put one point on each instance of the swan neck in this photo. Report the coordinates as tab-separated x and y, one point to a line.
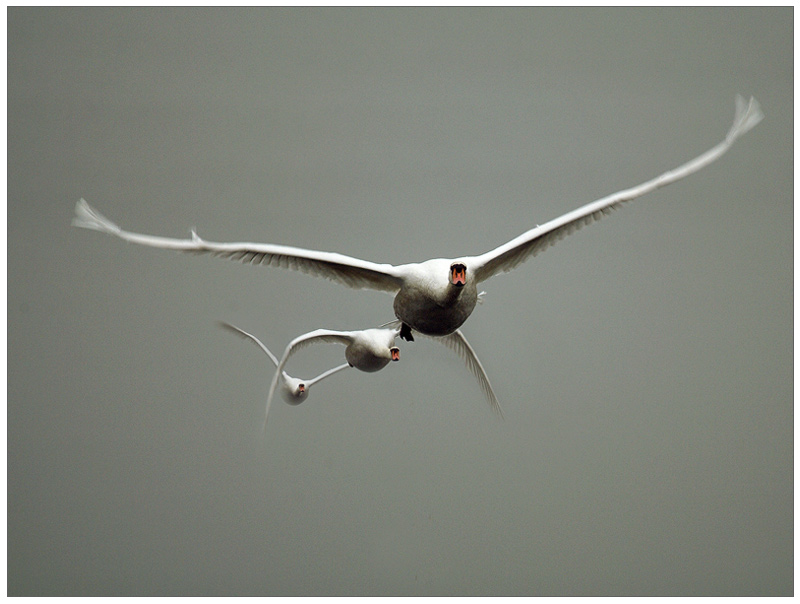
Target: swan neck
452	293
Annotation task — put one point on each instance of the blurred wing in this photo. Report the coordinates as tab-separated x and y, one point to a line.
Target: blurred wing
242	332
458	343
508	256
352	272
325	374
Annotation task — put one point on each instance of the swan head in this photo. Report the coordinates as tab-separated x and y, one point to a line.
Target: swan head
395	352
458	274
295	391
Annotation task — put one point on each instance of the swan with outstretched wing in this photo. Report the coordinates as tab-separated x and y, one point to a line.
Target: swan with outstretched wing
437	296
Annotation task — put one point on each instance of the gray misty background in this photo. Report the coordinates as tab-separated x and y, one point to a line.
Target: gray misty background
644	364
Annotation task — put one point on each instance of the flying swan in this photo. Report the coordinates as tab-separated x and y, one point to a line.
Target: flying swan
437	296
293	390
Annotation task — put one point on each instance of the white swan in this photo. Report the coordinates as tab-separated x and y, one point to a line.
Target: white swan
293	390
369	350
433	297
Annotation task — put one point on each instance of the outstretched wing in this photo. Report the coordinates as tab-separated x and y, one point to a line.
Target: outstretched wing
458	343
527	245
352	272
258	342
325	374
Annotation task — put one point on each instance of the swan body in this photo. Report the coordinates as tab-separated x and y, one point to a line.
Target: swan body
437	296
433	305
292	390
368	350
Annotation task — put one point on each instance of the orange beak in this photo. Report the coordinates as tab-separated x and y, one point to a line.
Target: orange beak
301	388
458	274
395	354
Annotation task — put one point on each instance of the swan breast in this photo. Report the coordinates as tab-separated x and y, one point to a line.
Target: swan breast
430	303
